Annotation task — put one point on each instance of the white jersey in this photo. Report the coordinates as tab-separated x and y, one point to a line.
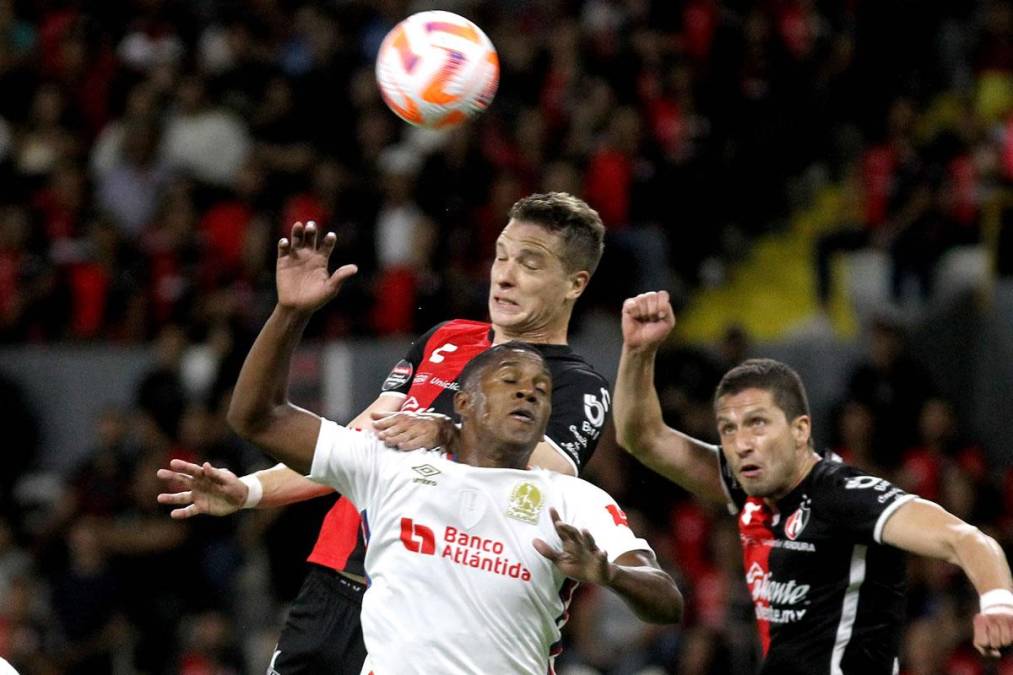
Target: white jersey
455	584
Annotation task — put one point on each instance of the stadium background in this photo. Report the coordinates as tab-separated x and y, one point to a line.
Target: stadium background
151	151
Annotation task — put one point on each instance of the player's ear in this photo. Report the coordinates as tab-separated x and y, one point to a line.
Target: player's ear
462	402
578	282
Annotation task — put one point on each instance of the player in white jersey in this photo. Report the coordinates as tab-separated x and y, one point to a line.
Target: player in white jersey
457	584
469	557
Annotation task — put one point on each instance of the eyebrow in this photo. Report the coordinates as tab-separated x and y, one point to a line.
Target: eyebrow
530	249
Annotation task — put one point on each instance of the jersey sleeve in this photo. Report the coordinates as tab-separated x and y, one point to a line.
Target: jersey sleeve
399	380
581	403
857	503
591	508
350	461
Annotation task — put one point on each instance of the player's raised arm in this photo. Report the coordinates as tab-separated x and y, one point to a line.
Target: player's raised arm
647	320
260	410
925	528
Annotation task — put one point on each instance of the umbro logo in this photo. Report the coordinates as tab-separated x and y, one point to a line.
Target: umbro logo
425	471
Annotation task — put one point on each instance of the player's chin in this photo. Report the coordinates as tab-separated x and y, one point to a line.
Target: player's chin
504	314
522	434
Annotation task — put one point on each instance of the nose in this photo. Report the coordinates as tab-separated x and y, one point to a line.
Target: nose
503	274
526	392
743	443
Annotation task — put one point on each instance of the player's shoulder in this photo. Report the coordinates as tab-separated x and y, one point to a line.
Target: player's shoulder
566	364
574	487
461	328
832	475
456	329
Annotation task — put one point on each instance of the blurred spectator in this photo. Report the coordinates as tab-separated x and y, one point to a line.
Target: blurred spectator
24	627
129	189
21	443
856	440
202	139
47	139
160	393
924	466
15	562
86	601
210	647
404	245
893	385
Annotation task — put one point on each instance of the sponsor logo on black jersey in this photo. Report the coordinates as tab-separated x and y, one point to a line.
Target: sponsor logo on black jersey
399	375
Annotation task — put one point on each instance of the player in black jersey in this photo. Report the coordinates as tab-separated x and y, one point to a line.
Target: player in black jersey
822	542
545	257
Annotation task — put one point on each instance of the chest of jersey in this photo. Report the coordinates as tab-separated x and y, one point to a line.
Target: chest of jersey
450	561
447	528
805	576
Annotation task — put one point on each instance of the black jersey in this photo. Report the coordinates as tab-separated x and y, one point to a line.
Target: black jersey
828	595
427	377
427	380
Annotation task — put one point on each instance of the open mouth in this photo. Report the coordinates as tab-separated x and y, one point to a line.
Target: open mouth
750	470
504	302
523	414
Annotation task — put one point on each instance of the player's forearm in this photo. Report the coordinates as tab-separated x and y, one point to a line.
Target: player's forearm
650	592
637	411
641	431
982	560
261	390
281	486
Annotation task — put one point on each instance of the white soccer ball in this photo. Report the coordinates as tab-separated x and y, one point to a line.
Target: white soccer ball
437	69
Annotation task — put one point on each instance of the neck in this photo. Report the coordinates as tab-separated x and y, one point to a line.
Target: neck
539	335
490	454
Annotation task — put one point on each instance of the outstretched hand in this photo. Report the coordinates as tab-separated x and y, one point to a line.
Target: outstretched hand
413	430
212	491
304	283
580	558
647	320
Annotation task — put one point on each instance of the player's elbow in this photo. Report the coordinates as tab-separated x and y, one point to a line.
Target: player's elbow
668	608
240	420
636	441
968	542
248	422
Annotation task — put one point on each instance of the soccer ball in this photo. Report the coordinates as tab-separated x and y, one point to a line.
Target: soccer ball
437	69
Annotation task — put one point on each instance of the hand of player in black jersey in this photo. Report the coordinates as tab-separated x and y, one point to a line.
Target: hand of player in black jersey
992	633
414	430
647	320
303	281
580	558
216	492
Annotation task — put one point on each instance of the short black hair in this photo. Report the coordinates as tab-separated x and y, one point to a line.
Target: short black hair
770	375
572	218
474	368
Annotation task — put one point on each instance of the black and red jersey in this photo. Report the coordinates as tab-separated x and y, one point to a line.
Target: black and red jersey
828	594
426	378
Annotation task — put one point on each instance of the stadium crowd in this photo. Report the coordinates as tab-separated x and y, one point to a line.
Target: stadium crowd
151	151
